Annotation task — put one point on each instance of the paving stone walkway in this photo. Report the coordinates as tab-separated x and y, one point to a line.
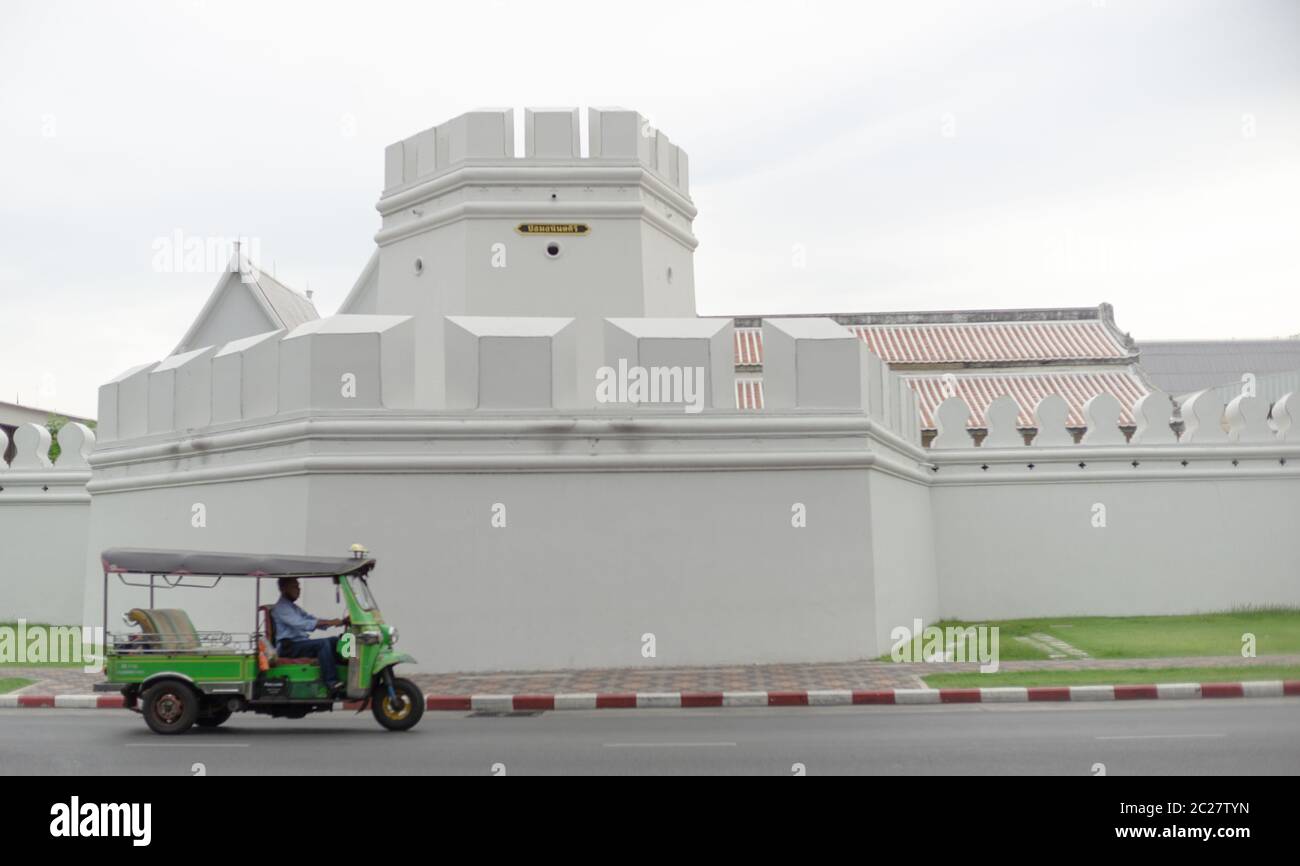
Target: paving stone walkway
724	678
52	681
791	677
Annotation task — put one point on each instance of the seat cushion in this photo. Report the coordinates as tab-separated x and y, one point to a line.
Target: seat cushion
177	628
173	627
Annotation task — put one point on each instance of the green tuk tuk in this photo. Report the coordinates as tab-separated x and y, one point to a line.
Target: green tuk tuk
177	676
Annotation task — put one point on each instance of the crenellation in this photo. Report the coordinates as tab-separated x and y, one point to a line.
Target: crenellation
677	351
552	136
552	133
1247	419
1203	419
1285	424
245	378
500	363
813	363
485	134
31	463
124	404
1051	417
1003	417
32	448
76	442
348	362
951	421
877	380
1153	414
180	391
1101	415
616	133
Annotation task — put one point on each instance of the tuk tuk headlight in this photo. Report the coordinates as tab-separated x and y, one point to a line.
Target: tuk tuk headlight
392	636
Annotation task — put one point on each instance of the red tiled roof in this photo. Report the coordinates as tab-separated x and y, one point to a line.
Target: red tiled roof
1023	347
749	347
990	342
969	342
979	390
749	393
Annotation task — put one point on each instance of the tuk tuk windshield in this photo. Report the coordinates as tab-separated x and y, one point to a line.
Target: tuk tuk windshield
361	590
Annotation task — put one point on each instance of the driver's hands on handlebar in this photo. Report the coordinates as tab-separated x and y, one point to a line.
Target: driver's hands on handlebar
331	623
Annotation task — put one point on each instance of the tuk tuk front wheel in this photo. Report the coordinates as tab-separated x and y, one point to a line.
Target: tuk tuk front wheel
170	707
405	713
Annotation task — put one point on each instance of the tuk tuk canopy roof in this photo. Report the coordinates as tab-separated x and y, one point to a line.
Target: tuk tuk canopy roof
127	560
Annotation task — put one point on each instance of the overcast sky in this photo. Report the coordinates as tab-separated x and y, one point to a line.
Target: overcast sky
922	155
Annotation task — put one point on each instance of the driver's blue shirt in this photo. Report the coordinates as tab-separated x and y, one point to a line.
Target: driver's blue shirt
291	621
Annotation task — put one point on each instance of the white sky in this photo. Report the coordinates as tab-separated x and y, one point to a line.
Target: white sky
1142	153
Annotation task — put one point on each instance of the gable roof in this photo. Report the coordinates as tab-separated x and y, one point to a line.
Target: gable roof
362	297
13	414
1180	367
972	338
1077	352
291	308
279	305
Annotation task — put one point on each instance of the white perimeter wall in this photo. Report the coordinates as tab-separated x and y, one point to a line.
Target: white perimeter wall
903	554
44	548
588	563
1169	546
44	513
685	536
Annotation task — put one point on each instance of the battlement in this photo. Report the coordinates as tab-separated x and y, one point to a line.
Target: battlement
31	463
1245	420
552	137
367	363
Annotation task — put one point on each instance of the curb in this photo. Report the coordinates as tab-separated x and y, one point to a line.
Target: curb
826	698
847	697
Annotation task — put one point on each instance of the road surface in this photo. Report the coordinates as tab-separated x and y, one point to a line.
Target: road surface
1255	736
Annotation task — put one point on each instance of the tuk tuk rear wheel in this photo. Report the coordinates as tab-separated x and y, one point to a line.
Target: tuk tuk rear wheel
405	713
170	707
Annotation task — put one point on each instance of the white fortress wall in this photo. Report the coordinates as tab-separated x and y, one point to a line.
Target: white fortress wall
44	516
1154	526
515	532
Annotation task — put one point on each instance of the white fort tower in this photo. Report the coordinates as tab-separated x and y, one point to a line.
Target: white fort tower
471	230
448	416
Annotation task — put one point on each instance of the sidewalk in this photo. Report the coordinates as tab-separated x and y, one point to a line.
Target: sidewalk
829	676
837	676
52	681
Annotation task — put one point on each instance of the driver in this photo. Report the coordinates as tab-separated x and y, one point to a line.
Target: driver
293	628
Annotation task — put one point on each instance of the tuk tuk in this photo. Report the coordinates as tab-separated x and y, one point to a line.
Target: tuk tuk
177	676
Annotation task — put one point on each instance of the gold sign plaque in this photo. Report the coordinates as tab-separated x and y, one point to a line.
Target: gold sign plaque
553	228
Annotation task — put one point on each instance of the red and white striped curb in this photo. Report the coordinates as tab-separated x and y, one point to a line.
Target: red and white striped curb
825	698
852	697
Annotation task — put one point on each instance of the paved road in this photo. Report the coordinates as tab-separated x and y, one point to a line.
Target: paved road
1257	736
